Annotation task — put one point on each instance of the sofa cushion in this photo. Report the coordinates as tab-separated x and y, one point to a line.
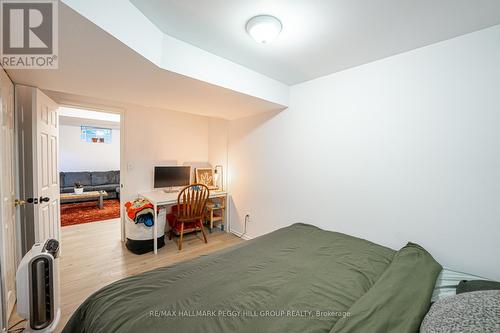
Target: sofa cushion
69	189
61	179
107	188
103	177
70	178
117	177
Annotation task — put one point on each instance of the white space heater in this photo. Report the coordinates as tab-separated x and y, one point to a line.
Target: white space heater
38	287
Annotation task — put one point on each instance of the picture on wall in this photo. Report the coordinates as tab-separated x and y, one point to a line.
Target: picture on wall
205	176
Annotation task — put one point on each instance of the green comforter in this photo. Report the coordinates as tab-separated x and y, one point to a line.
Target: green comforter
296	279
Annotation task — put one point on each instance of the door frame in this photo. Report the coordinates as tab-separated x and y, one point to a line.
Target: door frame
6	310
123	166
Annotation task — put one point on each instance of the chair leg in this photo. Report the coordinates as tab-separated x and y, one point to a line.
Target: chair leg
203	232
181	236
170	233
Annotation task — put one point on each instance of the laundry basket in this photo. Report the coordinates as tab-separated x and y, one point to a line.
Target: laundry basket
139	226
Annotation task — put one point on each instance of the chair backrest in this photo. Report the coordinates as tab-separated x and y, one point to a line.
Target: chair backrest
191	202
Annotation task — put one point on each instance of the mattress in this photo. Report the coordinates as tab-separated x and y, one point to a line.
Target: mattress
296	279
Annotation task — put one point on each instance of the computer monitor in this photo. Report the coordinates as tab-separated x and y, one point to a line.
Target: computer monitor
172	176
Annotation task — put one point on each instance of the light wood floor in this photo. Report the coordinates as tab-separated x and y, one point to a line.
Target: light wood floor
93	256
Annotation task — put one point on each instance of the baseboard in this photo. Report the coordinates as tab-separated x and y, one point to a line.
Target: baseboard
241	235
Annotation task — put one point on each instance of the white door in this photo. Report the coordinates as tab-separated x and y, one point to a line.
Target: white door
7	193
46	167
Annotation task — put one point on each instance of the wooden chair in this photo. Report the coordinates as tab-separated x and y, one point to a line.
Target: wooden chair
190	211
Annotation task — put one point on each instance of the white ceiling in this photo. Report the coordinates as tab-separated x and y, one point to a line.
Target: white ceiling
95	65
319	37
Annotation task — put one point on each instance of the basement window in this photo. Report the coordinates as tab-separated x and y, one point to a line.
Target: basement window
92	134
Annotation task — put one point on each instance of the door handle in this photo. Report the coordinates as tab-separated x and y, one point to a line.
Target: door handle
32	201
19	202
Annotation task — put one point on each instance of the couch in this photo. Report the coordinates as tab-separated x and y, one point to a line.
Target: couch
108	181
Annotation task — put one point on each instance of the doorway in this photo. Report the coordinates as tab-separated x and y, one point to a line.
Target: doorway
89	168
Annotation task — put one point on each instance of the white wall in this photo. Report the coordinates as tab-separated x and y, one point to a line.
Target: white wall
78	155
402	149
155	137
217	144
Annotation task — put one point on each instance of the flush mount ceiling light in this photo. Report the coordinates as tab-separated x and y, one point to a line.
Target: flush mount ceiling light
264	28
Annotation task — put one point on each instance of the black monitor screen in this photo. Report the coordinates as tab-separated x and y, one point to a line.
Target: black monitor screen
172	176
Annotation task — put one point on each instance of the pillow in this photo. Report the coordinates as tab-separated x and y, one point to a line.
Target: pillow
476	285
476	311
70	178
103	178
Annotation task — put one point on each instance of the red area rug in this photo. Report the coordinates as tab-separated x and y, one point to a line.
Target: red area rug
87	212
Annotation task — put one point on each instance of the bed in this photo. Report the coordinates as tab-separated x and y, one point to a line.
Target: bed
296	279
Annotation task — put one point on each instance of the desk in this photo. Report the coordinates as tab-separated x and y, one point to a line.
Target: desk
162	198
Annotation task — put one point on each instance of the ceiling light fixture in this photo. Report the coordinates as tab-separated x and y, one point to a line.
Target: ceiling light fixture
264	28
